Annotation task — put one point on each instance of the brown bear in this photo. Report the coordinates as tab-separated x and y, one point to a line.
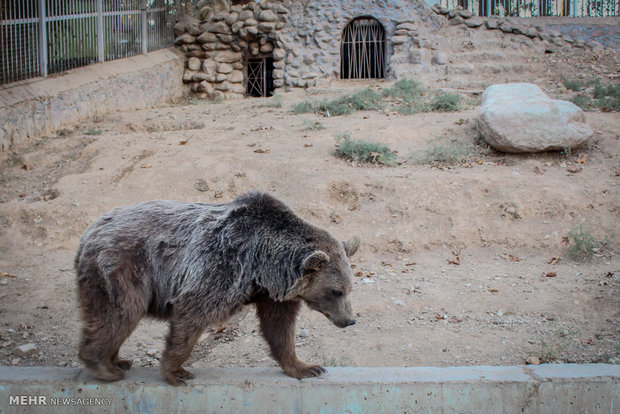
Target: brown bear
195	265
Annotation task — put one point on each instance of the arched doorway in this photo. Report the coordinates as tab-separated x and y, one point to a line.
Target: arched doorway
362	50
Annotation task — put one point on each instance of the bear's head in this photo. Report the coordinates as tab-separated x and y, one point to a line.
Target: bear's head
326	281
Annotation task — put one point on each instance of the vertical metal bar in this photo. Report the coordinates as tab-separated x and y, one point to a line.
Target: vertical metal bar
263	78
145	35
21	47
100	44
42	39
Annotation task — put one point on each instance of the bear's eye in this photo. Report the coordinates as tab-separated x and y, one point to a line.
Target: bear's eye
337	292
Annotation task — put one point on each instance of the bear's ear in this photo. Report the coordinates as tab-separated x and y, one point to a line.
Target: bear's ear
314	262
351	246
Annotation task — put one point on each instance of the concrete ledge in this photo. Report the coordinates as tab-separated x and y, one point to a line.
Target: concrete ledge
591	388
37	106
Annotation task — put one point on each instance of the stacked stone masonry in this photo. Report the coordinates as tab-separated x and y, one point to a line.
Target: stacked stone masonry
557	34
304	40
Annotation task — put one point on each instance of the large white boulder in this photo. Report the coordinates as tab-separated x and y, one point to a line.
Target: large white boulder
520	117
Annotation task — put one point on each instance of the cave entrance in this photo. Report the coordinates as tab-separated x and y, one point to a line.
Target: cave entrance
362	51
259	76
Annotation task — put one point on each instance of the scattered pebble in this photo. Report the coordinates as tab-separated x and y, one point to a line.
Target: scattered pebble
26	349
152	352
532	360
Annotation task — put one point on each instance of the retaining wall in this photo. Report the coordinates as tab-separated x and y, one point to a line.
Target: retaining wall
605	30
40	105
571	388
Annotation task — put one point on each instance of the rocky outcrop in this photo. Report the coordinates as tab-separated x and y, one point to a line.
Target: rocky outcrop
510	25
520	117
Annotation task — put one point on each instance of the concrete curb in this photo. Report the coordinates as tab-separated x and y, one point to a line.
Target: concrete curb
589	388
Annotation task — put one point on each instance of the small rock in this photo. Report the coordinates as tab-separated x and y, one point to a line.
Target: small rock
62	364
194	64
26	349
267	16
184	39
532	360
15	361
456	21
152	352
303	333
506	27
532	32
474	22
439	58
201	185
75	365
492	24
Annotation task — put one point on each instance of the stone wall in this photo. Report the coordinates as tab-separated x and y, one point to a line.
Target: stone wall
426	43
605	30
543	29
38	106
303	38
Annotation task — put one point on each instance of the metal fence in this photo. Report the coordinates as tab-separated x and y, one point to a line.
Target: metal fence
41	37
531	8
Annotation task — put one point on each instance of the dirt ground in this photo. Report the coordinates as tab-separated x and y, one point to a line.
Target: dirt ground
459	264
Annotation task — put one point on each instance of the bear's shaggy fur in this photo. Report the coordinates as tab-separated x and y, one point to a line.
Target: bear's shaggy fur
195	265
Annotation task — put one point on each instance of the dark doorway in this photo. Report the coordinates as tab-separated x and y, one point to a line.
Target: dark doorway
362	54
259	77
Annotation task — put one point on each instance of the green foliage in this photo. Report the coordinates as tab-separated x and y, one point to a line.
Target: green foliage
608	97
312	125
446	102
407	90
338	362
364	151
93	131
596	95
274	102
365	99
581	101
448	152
582	243
406	96
573	85
552	346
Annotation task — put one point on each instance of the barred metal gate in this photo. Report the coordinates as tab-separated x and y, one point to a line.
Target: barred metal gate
362	52
259	77
41	37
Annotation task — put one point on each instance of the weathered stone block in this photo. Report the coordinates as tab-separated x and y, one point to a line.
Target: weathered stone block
519	117
206	37
228	57
224	68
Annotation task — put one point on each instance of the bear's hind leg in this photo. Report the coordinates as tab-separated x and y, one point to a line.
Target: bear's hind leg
123	364
277	322
104	331
180	341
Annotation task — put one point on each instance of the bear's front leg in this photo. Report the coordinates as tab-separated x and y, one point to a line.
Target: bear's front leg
277	322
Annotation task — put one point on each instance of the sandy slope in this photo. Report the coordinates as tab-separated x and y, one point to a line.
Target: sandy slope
505	217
